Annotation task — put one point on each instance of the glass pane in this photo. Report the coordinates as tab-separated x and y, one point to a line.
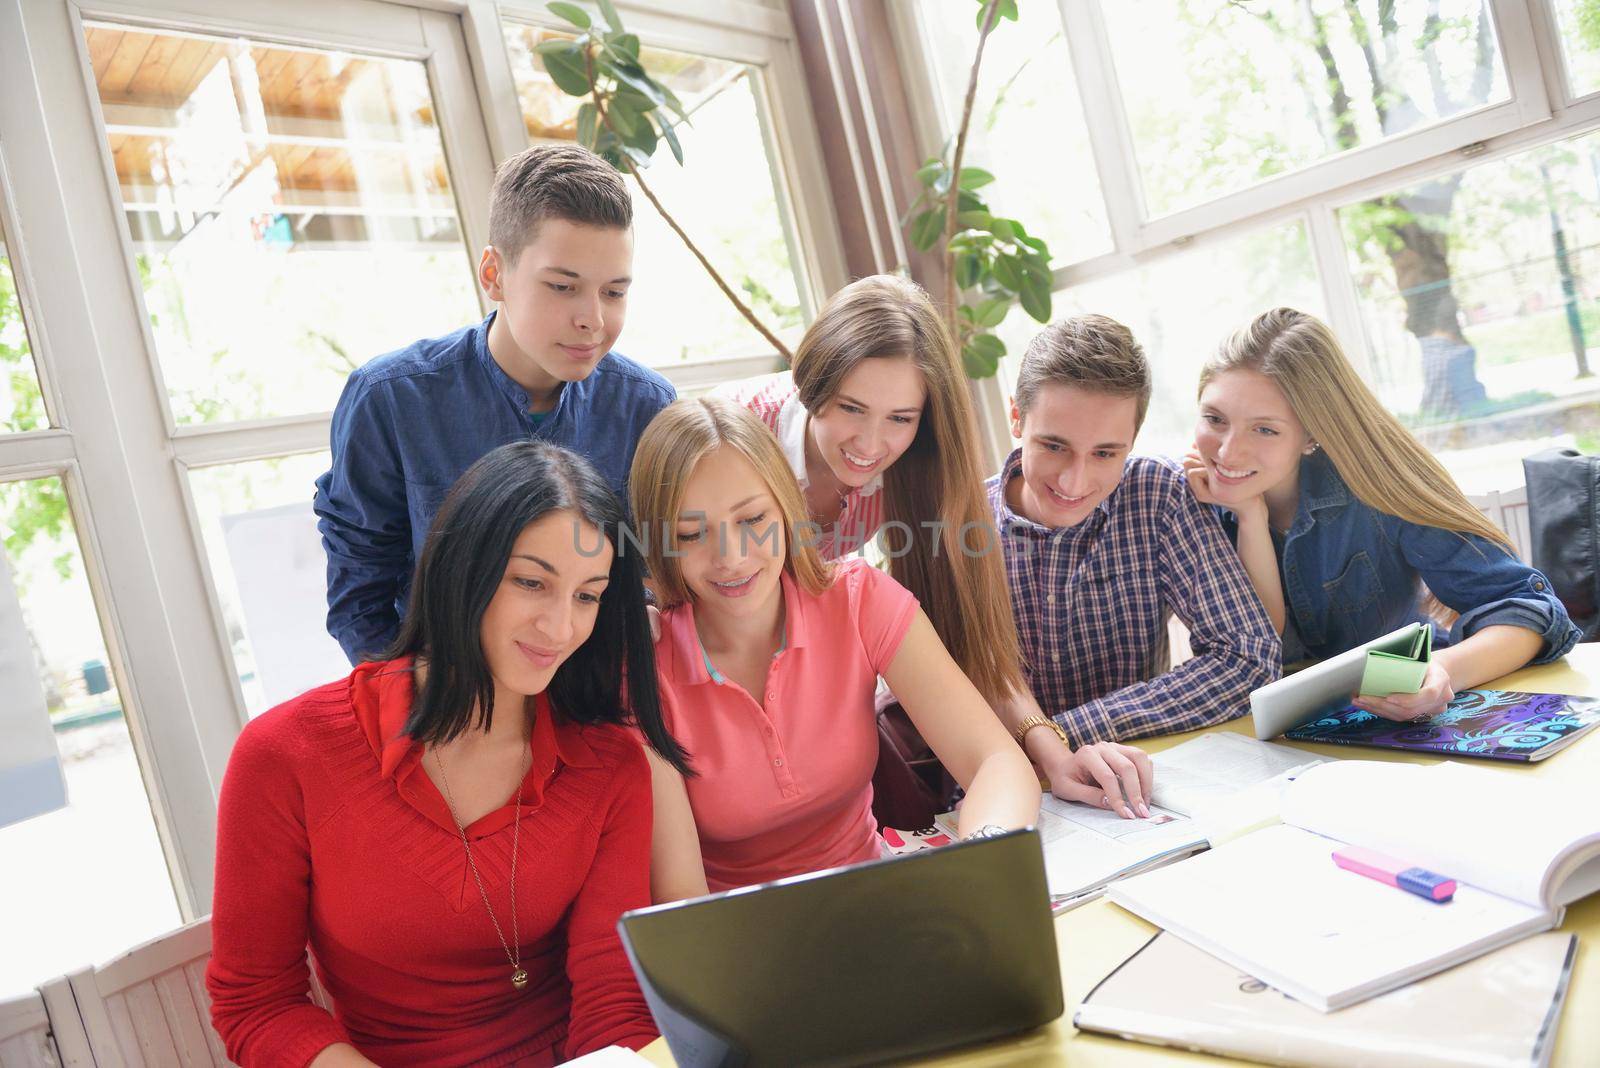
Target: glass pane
1480	296
85	881
1579	21
21	405
725	196
1221	95
271	574
291	213
1180	307
1027	121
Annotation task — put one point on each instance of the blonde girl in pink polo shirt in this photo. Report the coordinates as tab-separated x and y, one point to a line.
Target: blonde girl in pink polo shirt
768	659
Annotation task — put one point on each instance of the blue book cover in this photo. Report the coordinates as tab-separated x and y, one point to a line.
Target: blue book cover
1492	724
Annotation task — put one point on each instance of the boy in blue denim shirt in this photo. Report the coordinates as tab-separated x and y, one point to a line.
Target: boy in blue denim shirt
559	264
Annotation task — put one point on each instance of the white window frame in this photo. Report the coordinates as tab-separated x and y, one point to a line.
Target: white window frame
1541	109
738	32
123	459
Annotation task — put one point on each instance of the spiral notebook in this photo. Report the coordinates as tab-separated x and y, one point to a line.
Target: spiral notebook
1489	724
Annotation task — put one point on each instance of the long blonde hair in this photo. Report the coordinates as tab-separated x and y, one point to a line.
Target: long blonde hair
1385	467
676	440
955	569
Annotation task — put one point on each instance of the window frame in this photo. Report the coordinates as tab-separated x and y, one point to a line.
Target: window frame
737	32
1540	110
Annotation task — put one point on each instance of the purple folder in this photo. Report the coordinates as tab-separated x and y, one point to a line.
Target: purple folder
1492	724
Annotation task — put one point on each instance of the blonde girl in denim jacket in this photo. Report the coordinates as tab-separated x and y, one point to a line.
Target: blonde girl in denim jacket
1348	527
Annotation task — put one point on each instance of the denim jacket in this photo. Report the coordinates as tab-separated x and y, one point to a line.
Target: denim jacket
1350	574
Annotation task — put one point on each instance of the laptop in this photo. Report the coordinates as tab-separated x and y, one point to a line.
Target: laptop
1326	685
888	959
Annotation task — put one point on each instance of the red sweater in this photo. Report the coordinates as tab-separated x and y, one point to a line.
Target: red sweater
330	833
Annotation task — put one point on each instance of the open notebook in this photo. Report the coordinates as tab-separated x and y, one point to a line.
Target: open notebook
1206	790
1274	904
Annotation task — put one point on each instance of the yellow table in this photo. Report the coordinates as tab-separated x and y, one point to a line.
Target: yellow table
1097	937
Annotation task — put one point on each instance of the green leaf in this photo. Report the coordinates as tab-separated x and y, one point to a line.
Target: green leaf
981	355
1034	243
1036	266
567	71
927	228
640	159
969	202
635	78
610	13
625	45
1004	229
975	177
571	12
991	313
969	268
1008	10
929	172
1008	272
670	136
643	137
623	118
974	219
588	124
1036	298
556	46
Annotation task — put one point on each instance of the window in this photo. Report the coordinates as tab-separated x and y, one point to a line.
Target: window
87	879
1179	308
1027	123
726	196
290	209
21	405
1480	298
270	574
1221	95
1579	23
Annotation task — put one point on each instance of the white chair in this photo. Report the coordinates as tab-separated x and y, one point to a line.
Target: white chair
25	1038
149	1008
41	1029
1508	510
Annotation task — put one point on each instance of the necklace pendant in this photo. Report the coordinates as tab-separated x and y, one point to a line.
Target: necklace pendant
519	978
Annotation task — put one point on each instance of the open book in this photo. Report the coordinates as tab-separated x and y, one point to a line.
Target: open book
1274	904
1206	790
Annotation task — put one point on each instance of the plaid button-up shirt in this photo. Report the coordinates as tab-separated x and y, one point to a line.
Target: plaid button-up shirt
1092	603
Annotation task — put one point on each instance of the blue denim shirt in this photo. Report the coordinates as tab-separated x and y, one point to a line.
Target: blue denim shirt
406	427
1350	574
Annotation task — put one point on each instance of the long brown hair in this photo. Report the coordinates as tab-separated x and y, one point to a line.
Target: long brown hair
952	563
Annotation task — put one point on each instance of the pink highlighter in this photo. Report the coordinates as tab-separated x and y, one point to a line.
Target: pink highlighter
1386	869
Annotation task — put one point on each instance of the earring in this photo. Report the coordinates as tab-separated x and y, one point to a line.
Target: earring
1309	449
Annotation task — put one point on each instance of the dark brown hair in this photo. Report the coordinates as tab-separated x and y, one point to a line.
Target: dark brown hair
1092	351
554	181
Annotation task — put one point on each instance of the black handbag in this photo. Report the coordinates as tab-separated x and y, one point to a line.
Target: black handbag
1564	527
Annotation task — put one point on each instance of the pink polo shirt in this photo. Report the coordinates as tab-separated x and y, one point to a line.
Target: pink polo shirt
785	784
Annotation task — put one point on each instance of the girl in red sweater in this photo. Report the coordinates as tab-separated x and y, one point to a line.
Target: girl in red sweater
455	829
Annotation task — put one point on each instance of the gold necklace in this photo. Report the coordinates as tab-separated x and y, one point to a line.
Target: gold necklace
519	977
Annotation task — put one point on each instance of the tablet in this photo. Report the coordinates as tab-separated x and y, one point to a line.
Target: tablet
1328	684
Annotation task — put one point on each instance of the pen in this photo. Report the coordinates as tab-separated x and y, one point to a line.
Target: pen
1386	869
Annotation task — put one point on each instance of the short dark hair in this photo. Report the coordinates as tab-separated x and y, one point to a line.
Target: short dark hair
554	181
1094	352
462	564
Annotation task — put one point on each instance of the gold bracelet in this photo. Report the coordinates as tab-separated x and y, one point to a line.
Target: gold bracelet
1041	721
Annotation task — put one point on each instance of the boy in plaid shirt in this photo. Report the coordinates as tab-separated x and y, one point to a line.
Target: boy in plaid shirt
1100	548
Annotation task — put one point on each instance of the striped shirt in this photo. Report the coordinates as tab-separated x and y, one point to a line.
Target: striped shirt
1092	603
776	402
